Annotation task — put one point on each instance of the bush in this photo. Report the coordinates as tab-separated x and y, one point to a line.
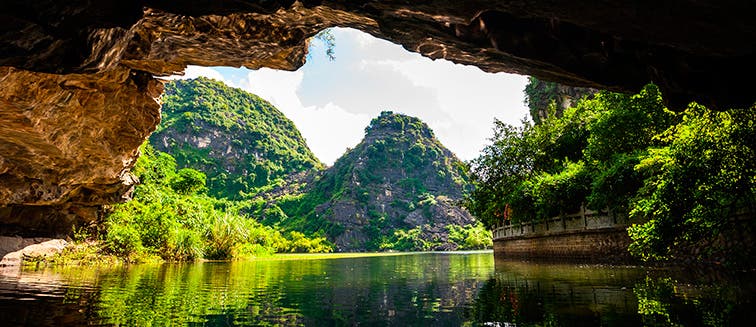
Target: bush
122	240
226	232
615	182
301	244
171	220
560	193
188	181
470	237
407	240
185	245
248	250
694	185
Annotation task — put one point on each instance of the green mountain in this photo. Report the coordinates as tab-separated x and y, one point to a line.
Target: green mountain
238	139
398	189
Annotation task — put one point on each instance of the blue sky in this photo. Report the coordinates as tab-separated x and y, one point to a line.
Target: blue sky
331	102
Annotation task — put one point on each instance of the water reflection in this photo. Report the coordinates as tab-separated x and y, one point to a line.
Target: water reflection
418	289
533	294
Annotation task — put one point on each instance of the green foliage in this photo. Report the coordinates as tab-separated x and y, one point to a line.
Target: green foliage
188	181
684	176
615	182
329	41
500	172
239	140
584	156
299	243
170	219
696	183
122	240
226	232
185	245
407	240
624	124
470	237
560	193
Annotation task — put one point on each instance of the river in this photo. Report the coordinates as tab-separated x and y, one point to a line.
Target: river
420	289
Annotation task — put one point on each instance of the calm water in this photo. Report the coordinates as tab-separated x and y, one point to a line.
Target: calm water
428	289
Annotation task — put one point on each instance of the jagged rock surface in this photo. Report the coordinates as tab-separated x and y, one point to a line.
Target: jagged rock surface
78	95
399	177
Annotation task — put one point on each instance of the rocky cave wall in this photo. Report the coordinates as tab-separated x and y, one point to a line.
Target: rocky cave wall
78	93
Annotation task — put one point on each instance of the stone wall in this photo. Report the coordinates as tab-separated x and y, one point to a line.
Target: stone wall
583	220
585	235
600	245
602	237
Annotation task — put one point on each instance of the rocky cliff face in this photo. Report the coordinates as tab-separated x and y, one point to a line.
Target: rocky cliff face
238	139
398	177
66	144
539	96
78	94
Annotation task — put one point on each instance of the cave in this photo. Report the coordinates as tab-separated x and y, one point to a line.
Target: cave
80	92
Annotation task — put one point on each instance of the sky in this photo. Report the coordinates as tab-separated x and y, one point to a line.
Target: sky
332	101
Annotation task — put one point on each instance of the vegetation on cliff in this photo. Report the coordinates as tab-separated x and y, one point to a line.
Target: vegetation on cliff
682	176
239	140
236	179
546	99
172	217
396	190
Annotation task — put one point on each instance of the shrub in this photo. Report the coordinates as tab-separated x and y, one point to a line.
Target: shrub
185	245
301	244
225	233
122	240
188	181
470	237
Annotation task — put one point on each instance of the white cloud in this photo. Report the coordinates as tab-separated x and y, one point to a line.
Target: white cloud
328	129
470	97
278	87
197	71
458	102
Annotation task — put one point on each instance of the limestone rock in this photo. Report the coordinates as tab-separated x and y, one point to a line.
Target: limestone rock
68	141
15	249
399	177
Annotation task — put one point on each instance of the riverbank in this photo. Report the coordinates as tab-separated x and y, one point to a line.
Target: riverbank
93	253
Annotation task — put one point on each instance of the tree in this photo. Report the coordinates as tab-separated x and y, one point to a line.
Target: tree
188	181
696	183
499	172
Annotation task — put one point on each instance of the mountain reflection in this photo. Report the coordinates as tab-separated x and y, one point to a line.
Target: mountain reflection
438	289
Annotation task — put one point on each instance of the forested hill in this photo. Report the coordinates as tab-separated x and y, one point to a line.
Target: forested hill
238	139
398	189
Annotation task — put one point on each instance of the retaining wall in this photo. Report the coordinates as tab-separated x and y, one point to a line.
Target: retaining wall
586	235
